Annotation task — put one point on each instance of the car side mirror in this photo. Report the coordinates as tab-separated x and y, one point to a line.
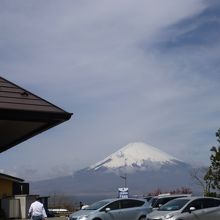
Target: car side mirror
84	206
191	209
107	209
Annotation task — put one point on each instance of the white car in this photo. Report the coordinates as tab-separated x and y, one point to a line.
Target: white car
188	208
113	209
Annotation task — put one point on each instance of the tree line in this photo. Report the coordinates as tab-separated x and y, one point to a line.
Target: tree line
212	176
209	177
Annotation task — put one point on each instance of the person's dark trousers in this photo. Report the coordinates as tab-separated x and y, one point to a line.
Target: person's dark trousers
39	217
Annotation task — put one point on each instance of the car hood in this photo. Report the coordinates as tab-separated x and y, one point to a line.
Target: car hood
82	212
159	214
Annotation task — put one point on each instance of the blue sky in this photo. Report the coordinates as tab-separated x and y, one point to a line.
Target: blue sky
130	71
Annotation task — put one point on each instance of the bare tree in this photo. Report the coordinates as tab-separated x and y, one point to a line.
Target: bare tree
181	190
197	175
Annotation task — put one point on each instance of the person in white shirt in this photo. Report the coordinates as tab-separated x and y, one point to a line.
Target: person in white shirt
37	211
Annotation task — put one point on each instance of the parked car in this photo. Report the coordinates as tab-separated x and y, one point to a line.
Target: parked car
188	208
148	198
157	201
113	209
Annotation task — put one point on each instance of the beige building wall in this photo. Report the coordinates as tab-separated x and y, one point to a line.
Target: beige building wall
5	188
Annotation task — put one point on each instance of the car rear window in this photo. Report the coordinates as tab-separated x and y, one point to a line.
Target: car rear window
129	203
208	203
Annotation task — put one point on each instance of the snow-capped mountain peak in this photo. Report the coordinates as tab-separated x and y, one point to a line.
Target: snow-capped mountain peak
143	167
135	156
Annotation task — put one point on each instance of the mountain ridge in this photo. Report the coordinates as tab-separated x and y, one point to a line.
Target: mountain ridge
133	156
146	167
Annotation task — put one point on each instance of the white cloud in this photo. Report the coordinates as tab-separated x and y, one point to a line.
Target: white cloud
100	60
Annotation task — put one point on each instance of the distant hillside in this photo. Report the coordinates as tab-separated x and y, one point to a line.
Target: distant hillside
146	168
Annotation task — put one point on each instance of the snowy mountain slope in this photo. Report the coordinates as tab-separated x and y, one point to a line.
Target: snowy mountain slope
146	167
136	156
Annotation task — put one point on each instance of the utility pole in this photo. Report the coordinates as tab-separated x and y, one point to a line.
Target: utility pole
125	179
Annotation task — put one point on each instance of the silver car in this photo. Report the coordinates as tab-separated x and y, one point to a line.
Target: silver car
188	208
113	209
157	201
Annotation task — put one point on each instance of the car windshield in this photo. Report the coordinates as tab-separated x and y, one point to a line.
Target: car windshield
97	205
174	205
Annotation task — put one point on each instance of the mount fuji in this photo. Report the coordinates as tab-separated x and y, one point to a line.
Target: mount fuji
145	167
135	157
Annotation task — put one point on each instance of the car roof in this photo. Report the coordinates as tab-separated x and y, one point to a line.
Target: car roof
172	195
196	197
117	199
108	200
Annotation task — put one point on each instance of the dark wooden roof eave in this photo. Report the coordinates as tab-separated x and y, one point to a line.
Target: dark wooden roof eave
49	119
35	132
12	178
25	115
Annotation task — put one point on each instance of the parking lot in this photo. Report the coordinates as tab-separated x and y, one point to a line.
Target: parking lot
54	218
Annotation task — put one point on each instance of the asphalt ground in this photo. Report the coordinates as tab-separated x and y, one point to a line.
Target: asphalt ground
53	218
